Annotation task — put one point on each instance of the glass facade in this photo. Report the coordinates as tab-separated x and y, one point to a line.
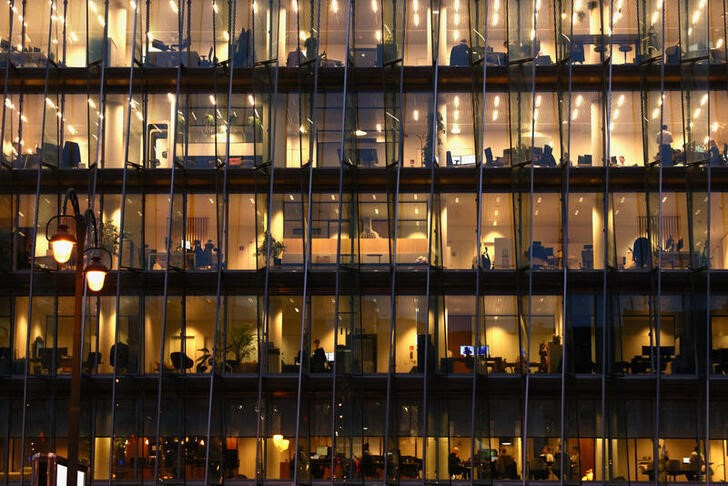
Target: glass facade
374	241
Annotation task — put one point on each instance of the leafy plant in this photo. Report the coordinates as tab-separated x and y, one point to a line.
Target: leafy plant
253	129
111	237
276	247
241	341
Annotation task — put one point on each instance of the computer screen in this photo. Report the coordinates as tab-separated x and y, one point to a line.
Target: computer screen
686	460
322	451
470	350
330	356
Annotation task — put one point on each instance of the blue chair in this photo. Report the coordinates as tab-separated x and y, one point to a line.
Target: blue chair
666	155
577	52
460	54
672	54
489	157
641	252
71	156
547	159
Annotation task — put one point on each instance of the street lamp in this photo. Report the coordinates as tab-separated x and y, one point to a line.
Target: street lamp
64	232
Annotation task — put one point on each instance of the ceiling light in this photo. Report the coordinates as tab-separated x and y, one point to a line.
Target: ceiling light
359	132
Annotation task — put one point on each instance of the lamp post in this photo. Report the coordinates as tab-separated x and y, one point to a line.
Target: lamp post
63	233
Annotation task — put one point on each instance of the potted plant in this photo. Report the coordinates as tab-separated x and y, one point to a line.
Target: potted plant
276	248
110	236
253	129
432	146
241	342
387	50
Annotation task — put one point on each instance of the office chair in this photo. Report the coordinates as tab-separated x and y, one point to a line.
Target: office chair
641	253
489	157
577	52
158	44
672	54
181	361
93	361
71	157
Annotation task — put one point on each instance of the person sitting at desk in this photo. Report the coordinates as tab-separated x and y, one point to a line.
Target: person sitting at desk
318	358
505	466
455	466
366	463
459	55
714	157
697	465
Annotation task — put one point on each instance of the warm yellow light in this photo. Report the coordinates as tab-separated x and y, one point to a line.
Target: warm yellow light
95	279
62	249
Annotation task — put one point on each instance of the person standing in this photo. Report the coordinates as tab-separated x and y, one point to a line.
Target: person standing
664	142
318	359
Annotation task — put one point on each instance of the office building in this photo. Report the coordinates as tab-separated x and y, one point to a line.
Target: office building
349	237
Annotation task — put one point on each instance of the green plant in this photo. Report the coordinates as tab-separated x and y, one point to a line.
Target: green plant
253	129
110	236
430	149
241	341
276	247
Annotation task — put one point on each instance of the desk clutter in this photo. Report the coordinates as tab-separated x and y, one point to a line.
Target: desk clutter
669	362
195	257
171	55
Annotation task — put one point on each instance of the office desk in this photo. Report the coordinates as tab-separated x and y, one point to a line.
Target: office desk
26	59
600	43
172	59
675	259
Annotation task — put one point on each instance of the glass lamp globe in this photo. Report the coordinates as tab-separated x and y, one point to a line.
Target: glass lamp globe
62	243
96	274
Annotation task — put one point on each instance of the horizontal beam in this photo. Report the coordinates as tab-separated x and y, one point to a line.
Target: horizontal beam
326	180
374	280
555	77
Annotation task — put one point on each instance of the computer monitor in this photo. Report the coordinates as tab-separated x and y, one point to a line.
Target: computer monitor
663	351
322	451
466	351
686	460
330	356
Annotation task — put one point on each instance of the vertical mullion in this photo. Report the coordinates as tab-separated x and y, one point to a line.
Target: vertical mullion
168	242
122	232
